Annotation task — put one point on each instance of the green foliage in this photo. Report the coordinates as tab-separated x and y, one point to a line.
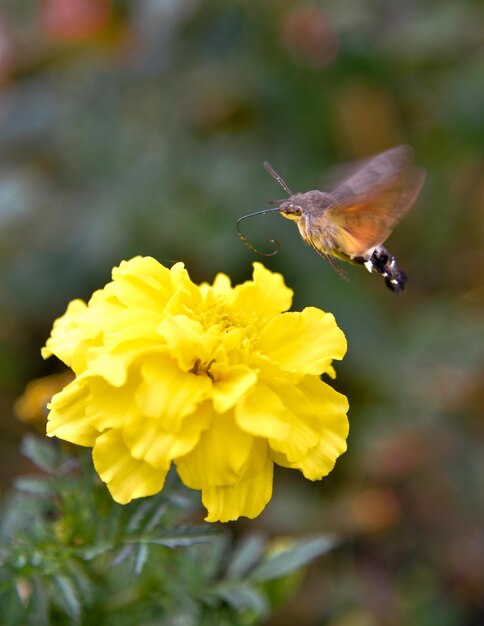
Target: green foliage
70	554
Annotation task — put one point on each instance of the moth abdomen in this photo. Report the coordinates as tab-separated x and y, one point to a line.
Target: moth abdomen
383	262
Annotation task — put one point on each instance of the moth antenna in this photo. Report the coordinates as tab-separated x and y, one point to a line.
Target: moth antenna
277	177
244	239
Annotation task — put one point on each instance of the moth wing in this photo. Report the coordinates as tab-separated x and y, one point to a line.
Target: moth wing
369	204
359	177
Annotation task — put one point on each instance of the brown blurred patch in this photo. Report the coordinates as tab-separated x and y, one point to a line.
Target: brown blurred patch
365	120
6	50
398	454
74	20
309	37
374	509
212	102
354	617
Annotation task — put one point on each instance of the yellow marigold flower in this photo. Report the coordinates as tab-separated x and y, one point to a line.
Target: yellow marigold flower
219	380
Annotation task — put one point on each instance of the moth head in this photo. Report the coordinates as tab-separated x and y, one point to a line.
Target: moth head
290	209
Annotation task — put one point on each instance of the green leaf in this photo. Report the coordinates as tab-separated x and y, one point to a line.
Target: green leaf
243	598
180	500
185	536
91	552
36	486
213	555
42	453
246	555
141	557
185	616
122	554
138	518
156	517
289	559
84	584
67	597
172	542
39	604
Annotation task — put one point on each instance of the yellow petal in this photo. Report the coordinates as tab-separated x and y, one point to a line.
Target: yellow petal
168	393
325	400
146	440
263	297
132	329
80	328
221	456
101	307
231	383
108	406
68	340
304	431
68	418
305	342
222	286
262	413
142	283
330	409
128	335
187	296
88	406
126	477
320	460
246	498
112	366
187	341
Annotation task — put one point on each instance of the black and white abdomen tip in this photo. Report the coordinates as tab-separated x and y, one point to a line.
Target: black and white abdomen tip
385	264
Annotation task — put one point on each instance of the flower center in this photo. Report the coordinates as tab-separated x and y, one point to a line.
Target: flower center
217	314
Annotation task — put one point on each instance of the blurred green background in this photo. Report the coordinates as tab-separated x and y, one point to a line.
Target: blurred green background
140	127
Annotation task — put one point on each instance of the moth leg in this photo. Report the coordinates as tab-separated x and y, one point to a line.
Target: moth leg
339	270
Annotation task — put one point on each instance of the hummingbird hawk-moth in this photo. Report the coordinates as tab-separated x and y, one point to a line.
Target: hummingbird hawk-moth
353	221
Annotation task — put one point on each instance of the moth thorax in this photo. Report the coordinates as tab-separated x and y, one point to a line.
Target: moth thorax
315	202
